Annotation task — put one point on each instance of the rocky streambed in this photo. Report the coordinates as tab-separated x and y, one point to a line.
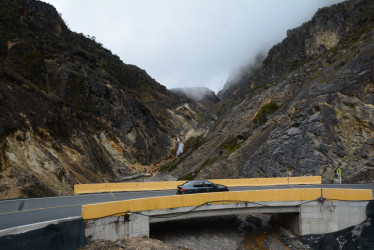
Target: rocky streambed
224	232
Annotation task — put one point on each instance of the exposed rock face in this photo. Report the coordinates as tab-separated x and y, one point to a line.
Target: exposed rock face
307	110
71	112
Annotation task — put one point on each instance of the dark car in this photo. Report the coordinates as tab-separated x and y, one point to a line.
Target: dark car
200	186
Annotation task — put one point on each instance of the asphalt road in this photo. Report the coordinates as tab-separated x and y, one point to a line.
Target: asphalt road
19	212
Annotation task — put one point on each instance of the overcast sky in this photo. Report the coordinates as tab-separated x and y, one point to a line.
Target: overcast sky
187	43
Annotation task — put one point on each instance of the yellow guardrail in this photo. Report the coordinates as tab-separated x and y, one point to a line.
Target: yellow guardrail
100	210
127	186
347	194
166	185
268	181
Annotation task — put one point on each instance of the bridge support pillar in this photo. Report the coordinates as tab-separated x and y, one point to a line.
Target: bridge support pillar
137	226
330	216
327	217
117	227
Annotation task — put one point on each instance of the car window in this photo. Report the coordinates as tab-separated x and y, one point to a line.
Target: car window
198	184
208	184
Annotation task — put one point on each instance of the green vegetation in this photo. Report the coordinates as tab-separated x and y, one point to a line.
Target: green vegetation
169	167
192	175
322	81
194	143
266	110
228	147
232	145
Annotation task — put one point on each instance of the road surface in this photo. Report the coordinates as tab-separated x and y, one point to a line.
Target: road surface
19	212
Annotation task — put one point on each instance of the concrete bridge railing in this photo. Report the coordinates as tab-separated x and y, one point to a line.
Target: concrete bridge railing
306	211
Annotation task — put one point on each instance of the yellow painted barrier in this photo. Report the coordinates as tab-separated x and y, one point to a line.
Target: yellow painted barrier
347	194
164	202
252	182
127	186
304	180
167	185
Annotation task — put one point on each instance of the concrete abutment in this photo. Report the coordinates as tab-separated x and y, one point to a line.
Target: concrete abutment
117	227
330	216
326	217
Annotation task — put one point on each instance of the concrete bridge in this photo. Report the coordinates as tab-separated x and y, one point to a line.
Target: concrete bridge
116	210
305	211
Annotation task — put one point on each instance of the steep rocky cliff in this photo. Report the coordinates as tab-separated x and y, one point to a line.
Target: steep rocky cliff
306	110
72	112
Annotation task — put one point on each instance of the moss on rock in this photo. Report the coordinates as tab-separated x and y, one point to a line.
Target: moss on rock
262	115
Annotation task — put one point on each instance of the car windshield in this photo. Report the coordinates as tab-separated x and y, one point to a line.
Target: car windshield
189	183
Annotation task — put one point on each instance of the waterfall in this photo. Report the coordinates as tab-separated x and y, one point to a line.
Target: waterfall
180	147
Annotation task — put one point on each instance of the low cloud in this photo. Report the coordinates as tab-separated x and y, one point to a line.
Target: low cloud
187	43
245	70
195	93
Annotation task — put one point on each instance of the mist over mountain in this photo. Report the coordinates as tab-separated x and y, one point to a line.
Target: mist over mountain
72	112
241	76
205	98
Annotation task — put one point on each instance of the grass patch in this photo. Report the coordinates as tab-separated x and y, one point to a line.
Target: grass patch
321	81
169	167
194	143
262	115
232	145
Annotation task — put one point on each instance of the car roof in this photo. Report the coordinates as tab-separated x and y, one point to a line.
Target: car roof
196	181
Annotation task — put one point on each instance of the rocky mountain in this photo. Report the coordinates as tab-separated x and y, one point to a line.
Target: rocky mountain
72	112
307	109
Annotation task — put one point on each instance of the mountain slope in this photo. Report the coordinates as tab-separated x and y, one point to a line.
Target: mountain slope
72	112
306	110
